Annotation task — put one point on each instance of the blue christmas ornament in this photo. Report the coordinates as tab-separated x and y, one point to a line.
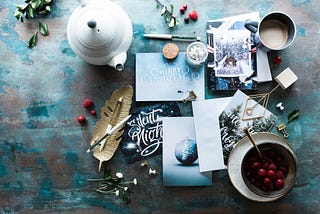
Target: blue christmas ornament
186	151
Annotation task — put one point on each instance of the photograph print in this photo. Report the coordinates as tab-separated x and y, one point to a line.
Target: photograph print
232	60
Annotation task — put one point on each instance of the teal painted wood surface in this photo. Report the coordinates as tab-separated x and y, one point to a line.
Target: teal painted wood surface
44	166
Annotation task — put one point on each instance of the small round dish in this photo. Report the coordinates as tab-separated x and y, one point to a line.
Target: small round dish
235	161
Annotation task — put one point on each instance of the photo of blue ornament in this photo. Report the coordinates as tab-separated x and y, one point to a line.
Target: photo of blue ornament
186	151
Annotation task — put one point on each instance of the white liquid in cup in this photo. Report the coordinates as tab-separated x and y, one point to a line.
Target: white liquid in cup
273	34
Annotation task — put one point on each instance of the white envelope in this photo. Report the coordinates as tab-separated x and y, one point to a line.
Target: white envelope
206	122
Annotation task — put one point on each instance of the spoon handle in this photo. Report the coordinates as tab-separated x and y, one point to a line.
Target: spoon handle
246	131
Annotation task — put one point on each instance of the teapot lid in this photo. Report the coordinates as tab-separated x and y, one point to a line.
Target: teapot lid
98	29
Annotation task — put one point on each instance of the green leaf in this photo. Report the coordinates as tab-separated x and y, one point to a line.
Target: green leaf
107	173
30	12
21	7
43	28
33	40
35	4
172	23
43	12
171	8
18	14
125	197
293	115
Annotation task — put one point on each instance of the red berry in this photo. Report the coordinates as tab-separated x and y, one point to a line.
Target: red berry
81	119
272	166
256	165
186	19
93	112
279	174
271	174
193	15
262	173
185	6
267	181
182	10
279	183
277	60
87	103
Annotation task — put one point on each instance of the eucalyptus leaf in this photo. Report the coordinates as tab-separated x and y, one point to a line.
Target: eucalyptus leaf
293	115
33	40
43	29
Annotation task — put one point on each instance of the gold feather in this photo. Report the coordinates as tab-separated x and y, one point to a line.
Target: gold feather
114	110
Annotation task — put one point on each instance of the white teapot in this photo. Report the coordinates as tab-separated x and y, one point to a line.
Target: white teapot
100	33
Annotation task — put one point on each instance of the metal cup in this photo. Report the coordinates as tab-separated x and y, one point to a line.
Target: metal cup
276	31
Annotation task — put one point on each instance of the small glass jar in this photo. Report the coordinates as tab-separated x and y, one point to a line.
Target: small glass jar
196	54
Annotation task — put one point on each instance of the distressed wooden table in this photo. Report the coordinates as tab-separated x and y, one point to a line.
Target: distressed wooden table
44	166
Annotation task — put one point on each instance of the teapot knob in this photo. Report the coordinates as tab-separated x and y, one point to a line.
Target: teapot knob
92	24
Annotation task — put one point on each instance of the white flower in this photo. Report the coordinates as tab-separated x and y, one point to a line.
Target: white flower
117	192
152	172
119	175
135	181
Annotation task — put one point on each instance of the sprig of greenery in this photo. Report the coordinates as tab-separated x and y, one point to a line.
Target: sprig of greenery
293	115
32	7
28	10
167	14
109	184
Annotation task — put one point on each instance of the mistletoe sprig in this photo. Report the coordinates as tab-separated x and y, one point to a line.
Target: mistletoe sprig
114	185
32	7
167	14
28	10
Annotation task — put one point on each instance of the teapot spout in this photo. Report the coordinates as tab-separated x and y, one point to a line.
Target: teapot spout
118	61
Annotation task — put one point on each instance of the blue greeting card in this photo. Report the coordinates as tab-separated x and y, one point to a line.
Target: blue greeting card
180	154
159	79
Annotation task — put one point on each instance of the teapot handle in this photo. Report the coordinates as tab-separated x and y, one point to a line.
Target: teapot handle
82	2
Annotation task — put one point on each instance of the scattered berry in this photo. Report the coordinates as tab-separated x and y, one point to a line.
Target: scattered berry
193	15
186	19
182	10
93	112
277	60
81	119
185	6
87	103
